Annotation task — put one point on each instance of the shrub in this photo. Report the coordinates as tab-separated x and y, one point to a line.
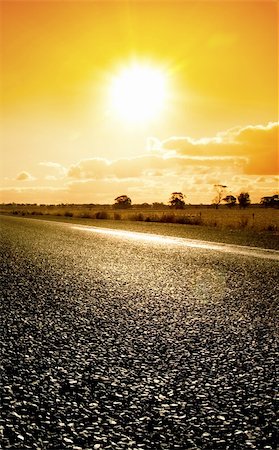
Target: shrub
102	215
68	214
85	216
197	220
185	220
138	217
167	218
117	216
212	223
243	222
271	227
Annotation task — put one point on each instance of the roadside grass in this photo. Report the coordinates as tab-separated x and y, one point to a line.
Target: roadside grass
253	227
253	218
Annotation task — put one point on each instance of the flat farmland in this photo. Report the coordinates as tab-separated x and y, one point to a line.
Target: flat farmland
254	218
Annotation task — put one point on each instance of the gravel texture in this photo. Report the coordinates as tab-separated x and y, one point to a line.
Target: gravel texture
110	343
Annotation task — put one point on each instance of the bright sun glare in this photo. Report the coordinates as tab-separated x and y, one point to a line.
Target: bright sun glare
138	93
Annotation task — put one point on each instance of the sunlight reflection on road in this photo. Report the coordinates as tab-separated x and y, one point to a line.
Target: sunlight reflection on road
159	239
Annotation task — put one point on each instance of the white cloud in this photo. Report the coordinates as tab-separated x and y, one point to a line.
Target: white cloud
257	143
24	176
156	165
58	168
243	158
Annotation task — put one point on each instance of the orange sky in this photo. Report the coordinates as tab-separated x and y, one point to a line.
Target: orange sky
221	61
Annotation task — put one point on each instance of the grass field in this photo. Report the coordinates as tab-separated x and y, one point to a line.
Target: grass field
258	227
254	218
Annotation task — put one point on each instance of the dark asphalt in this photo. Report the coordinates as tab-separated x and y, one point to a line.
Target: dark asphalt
114	343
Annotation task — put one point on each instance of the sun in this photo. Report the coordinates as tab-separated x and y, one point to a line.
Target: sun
138	93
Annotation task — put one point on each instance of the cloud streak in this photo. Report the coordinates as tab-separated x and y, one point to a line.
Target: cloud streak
96	168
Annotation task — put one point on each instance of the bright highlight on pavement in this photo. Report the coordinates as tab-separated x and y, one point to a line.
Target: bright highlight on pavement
256	252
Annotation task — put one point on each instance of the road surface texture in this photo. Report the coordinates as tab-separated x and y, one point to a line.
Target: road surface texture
114	342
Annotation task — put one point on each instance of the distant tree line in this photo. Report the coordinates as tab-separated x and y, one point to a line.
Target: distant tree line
177	200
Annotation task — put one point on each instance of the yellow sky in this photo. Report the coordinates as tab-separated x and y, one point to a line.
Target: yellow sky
221	63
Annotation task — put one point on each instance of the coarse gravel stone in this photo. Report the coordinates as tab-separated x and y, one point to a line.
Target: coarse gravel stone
109	343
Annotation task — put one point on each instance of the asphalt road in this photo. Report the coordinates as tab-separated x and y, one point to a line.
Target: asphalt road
116	342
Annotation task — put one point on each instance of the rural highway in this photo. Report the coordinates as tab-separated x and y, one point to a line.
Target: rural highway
120	341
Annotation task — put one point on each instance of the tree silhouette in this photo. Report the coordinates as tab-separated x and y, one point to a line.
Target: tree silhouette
177	200
230	200
123	201
271	201
220	189
244	200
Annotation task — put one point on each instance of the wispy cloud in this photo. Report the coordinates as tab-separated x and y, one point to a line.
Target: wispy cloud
56	167
24	176
96	168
